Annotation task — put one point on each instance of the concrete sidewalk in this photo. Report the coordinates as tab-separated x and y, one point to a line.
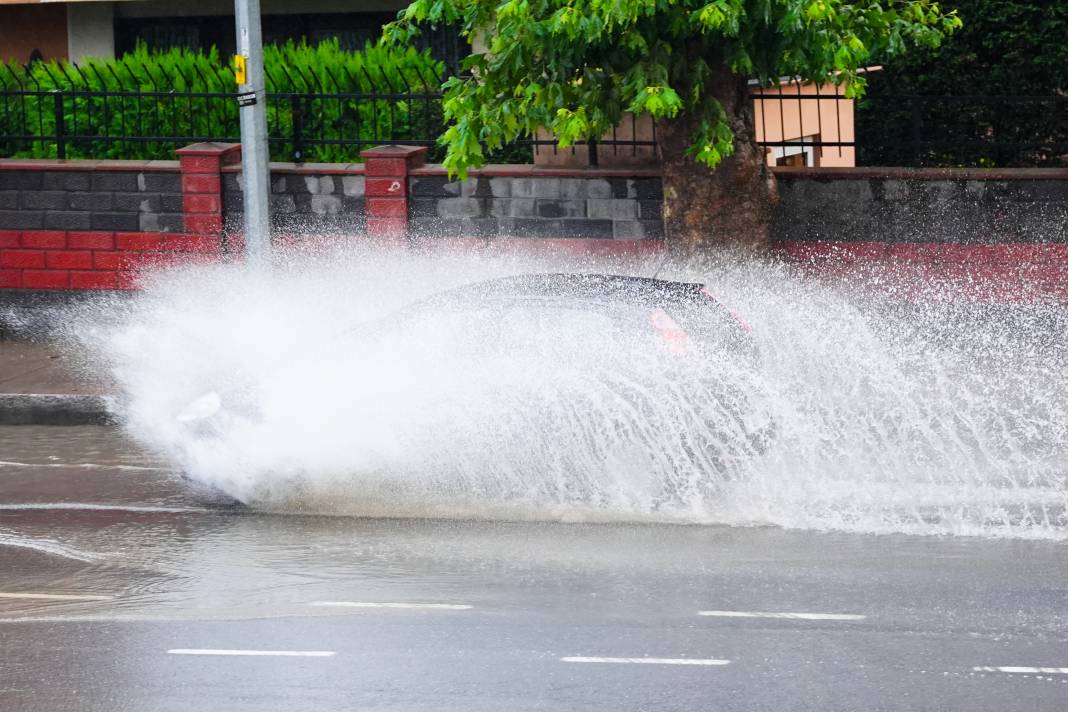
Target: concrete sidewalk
31	367
42	383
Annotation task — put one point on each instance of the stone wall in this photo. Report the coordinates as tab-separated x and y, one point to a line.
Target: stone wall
303	201
306	200
493	205
44	195
893	205
993	235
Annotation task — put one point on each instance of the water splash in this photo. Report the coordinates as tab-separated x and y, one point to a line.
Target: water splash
917	420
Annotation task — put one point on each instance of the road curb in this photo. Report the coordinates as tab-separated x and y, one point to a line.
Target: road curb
55	409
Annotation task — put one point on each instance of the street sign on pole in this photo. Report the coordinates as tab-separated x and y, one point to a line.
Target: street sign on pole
248	68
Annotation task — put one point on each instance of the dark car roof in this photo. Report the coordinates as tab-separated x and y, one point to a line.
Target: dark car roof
697	312
644	291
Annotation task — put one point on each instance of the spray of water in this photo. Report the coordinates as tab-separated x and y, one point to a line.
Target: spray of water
916	420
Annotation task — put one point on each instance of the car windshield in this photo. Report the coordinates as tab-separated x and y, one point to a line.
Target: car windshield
543	324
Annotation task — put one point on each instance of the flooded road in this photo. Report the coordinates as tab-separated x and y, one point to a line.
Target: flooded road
121	589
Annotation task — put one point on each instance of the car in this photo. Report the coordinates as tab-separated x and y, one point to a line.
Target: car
631	358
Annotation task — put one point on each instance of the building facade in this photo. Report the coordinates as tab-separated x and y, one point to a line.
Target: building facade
78	29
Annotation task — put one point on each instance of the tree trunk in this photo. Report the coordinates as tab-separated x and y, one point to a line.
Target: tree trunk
730	206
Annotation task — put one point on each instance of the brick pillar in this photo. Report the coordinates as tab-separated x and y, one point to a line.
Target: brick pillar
386	170
202	193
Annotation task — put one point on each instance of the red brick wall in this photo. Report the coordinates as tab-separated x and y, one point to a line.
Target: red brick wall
1009	273
52	259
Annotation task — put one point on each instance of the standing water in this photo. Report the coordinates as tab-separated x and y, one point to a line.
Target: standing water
924	420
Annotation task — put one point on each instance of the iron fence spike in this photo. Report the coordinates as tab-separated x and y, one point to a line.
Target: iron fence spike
292	82
219	78
353	84
203	78
370	80
99	77
337	86
44	66
81	75
151	78
66	76
271	84
185	78
118	82
308	86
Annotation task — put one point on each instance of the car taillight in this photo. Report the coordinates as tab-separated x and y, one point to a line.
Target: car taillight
741	322
668	329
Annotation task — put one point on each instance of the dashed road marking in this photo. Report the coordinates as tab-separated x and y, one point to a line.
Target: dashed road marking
254	653
788	616
56	596
85	466
646	661
374	604
1016	669
96	507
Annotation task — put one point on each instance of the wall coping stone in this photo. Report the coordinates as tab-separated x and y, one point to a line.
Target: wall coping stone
861	172
226	151
416	153
488	171
317	169
522	170
525	170
83	164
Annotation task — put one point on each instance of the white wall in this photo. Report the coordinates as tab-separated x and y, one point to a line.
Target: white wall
90	30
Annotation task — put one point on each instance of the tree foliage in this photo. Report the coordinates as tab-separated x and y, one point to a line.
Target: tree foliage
575	66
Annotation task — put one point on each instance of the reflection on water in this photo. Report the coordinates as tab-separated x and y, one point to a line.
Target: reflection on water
232	567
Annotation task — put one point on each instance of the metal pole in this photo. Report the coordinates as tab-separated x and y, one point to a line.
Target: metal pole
253	110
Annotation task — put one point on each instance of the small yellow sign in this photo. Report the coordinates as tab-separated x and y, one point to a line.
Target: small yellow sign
239	69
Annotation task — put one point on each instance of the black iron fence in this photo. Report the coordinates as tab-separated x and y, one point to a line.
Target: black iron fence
804	124
975	130
87	113
78	112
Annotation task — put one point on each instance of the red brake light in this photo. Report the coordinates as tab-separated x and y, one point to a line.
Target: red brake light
741	322
668	329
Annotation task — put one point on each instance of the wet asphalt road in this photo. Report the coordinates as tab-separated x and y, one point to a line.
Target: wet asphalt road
118	591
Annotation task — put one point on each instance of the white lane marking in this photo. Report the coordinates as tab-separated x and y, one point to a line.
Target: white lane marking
85	619
145	618
372	604
789	616
647	661
85	466
254	653
56	596
1023	670
46	546
94	507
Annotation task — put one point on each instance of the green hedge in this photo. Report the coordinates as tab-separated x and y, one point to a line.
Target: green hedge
1008	68
182	95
